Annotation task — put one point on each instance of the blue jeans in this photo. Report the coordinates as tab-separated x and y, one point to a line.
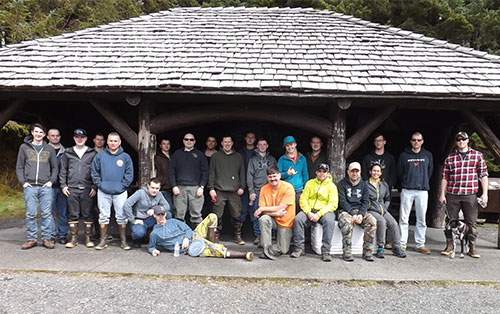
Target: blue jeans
104	201
251	211
33	196
140	231
60	209
170	198
407	198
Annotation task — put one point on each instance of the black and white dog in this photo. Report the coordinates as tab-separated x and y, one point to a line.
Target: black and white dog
459	233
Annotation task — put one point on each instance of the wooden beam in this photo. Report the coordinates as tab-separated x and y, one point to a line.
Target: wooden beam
9	111
484	131
279	115
145	144
363	133
336	143
116	122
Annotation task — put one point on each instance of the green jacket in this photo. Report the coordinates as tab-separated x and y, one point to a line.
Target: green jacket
319	196
227	172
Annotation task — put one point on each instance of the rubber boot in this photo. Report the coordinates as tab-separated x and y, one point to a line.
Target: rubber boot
237	236
103	243
88	233
237	254
123	240
212	234
449	243
73	230
472	250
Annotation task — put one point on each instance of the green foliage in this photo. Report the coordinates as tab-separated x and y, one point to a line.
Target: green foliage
11	137
477	143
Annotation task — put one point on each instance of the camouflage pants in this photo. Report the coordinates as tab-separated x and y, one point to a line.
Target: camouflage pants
346	224
200	233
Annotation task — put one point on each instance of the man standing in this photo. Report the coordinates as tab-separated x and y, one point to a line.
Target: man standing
414	169
318	203
112	173
77	186
98	142
247	152
189	175
211	148
59	204
226	183
36	170
383	158
293	167
315	157
256	179
276	212
162	165
462	170
98	147
137	209
354	201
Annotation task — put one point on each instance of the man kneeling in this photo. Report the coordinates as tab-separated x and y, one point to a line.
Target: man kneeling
199	242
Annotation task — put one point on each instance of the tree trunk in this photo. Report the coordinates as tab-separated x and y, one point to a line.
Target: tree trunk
336	143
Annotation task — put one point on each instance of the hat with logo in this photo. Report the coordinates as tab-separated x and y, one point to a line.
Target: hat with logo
79	132
462	134
323	166
158	209
354	165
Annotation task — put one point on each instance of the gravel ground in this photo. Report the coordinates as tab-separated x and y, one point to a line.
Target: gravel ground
93	293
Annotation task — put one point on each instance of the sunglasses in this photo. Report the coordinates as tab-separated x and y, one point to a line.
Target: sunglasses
416	140
461	139
189	139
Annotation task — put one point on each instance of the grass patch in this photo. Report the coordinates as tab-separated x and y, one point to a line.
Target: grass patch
11	203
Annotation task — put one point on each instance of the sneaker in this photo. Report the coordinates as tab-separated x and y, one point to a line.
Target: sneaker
347	257
325	257
297	253
423	250
368	257
380	252
397	251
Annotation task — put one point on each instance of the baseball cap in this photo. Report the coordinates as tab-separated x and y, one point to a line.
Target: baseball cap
289	139
354	165
462	134
159	210
323	166
80	132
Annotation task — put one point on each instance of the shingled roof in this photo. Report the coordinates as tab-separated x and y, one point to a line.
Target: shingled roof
232	50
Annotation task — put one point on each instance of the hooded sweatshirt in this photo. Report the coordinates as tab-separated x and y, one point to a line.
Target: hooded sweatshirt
140	202
319	196
257	170
112	173
75	171
380	196
415	169
353	197
386	161
36	167
227	172
299	179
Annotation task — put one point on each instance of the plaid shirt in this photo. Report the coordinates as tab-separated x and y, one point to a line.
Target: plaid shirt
463	174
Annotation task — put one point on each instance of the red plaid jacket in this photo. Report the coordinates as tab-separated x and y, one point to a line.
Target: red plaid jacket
463	174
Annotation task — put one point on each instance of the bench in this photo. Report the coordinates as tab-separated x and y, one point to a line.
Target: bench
336	245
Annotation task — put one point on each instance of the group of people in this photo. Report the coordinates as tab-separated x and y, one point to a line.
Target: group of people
281	197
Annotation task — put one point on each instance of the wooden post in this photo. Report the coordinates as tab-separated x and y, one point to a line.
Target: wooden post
154	147
9	111
484	131
336	143
116	122
145	144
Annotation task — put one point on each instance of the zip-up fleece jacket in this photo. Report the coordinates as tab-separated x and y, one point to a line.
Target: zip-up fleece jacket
386	161
140	202
75	172
162	165
299	179
59	156
227	172
380	196
112	173
415	169
188	168
353	197
36	168
166	235
257	170
319	196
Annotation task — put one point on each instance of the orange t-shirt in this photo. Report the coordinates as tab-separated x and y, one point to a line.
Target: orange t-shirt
285	194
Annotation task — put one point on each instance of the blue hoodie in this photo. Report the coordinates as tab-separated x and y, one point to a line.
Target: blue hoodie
166	235
299	179
112	173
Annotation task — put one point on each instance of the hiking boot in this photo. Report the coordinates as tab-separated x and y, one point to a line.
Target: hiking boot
472	250
49	244
380	252
325	257
28	245
347	257
423	250
449	247
367	256
397	251
297	253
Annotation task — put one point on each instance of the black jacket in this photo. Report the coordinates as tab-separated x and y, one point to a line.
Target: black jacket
75	172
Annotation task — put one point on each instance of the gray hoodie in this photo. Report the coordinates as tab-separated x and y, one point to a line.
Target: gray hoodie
36	167
257	170
140	202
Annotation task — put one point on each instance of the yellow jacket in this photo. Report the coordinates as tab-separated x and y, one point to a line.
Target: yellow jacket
320	196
